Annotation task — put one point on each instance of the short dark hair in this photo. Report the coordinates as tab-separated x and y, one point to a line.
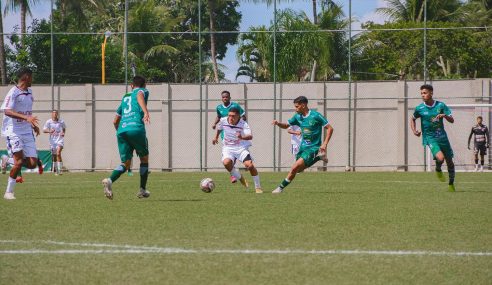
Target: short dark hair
23	71
138	81
227	92
301	100
428	87
234	110
480	117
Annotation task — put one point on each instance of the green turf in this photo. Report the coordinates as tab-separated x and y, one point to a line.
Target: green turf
318	211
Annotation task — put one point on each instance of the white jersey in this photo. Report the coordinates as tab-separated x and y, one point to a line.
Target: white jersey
58	128
295	139
231	132
19	101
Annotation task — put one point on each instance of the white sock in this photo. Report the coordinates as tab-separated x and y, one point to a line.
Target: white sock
234	172
256	179
59	167
10	185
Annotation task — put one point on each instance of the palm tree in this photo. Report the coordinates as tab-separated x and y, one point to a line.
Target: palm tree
25	9
413	10
3	68
213	49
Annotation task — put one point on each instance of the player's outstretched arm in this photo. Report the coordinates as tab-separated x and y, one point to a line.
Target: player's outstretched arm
413	126
216	139
280	124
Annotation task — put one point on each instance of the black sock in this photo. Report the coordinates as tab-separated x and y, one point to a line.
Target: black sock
144	174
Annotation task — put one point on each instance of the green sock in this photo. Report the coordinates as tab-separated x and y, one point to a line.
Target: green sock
120	169
144	173
284	183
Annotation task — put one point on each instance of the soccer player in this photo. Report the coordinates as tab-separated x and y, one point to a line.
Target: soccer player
56	128
18	126
431	114
481	142
295	138
223	111
312	149
236	140
129	122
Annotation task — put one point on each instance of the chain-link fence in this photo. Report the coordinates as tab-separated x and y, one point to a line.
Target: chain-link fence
360	69
370	134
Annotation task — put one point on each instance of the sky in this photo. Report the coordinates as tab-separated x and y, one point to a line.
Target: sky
252	15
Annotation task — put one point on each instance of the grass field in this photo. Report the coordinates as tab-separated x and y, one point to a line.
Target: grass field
327	228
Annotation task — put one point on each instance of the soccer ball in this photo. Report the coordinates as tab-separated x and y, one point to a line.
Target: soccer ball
207	185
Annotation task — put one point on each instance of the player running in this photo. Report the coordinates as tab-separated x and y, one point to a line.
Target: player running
129	122
56	128
312	149
481	142
18	127
223	112
235	146
431	114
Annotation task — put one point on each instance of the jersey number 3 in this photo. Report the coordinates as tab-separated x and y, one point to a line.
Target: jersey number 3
128	102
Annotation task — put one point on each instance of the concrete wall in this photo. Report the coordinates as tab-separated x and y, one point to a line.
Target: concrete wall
180	132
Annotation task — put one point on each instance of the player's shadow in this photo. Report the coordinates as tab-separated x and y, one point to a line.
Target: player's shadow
150	200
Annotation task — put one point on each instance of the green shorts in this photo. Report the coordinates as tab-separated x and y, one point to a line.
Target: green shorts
309	155
437	146
130	141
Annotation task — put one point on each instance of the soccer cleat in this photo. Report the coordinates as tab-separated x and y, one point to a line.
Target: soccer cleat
40	167
258	190
451	188
9	196
481	168
243	181
440	176
4	163
108	192
278	190
130	172
233	179
143	193
19	179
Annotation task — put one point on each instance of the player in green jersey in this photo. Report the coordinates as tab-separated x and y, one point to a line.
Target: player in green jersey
129	122
312	148
431	114
223	111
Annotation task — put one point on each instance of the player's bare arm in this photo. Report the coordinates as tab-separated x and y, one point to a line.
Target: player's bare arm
280	124
141	102
413	126
214	125
245	138
469	138
216	139
33	120
329	133
116	121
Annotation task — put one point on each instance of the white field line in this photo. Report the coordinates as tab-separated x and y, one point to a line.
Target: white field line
129	249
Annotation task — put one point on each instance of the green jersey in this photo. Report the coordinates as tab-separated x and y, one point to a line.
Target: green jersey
223	111
130	112
311	128
432	128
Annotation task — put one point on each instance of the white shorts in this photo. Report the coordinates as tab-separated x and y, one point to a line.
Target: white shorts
54	144
24	143
235	153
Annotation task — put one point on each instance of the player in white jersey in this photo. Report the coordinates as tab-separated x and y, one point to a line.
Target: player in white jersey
235	143
18	126
295	139
56	128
